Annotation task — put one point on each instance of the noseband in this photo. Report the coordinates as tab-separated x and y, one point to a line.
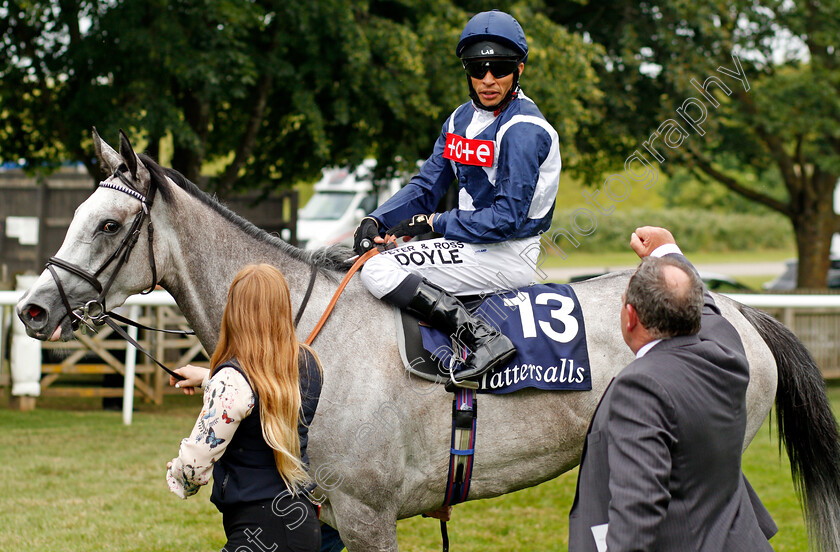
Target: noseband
94	312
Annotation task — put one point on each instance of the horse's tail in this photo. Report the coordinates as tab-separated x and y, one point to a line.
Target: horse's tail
807	428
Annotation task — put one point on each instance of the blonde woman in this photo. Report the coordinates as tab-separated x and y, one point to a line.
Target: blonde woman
251	435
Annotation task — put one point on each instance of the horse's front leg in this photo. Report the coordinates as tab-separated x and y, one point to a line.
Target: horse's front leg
365	528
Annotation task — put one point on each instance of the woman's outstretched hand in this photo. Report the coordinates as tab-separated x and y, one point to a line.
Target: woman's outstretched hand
193	376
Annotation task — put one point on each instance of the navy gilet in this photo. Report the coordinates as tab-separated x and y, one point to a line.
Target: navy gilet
246	472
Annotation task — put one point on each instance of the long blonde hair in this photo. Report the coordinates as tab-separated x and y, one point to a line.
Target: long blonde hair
257	330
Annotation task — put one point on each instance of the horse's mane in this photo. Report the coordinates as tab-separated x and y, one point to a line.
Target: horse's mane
327	259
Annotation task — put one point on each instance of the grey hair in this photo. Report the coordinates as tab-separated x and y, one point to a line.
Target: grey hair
663	309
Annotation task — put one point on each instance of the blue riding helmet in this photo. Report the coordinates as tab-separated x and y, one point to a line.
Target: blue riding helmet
492	34
494	26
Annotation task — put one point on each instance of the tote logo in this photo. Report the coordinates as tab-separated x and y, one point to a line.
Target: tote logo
468	152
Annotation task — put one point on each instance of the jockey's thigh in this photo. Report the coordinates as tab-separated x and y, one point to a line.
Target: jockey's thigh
459	268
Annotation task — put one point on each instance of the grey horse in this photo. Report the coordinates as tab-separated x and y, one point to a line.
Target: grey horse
379	444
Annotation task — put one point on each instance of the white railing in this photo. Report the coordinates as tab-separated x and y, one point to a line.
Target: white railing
761	301
815	319
153	299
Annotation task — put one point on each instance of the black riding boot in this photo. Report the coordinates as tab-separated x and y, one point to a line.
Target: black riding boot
489	349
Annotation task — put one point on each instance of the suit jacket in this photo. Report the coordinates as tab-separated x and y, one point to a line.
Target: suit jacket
662	460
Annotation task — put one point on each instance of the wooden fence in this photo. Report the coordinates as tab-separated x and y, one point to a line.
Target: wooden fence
815	319
819	330
83	367
66	364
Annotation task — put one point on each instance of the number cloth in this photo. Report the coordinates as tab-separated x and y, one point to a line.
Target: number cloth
545	323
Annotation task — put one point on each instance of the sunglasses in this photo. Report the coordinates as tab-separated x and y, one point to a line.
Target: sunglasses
498	68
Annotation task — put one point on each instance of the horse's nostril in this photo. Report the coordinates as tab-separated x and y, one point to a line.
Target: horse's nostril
34	316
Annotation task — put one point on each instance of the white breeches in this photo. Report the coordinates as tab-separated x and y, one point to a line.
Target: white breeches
459	268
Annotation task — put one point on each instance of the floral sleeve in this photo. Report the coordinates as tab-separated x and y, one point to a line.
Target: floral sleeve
227	400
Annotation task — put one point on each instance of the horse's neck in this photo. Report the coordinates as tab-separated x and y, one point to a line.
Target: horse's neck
204	251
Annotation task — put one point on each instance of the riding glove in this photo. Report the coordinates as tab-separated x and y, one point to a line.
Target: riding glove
363	237
416	225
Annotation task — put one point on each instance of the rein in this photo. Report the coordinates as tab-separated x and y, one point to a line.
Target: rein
356	266
313	273
95	313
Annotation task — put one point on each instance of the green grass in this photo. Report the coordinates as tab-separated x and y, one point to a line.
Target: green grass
80	480
755	282
75	479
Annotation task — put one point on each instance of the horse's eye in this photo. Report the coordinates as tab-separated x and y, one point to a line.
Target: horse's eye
110	227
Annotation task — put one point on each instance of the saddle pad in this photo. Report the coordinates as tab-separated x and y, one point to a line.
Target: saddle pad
545	323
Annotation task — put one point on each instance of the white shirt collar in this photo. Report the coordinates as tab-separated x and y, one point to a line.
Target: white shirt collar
646	347
666	249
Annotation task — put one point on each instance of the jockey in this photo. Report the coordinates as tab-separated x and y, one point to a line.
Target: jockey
505	158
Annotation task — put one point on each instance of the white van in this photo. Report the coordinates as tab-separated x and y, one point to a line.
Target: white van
342	198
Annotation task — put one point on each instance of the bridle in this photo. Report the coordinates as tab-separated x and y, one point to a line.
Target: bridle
94	312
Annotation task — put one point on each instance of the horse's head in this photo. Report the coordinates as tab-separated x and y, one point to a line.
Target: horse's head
93	270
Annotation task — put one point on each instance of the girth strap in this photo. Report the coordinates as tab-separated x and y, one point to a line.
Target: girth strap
461	452
464	414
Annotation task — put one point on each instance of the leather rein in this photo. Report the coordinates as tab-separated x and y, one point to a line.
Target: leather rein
356	266
94	312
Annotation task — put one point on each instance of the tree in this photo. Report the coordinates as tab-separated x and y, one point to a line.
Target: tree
154	68
41	83
784	114
265	90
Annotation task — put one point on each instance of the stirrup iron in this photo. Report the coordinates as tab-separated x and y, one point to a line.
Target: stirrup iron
465	383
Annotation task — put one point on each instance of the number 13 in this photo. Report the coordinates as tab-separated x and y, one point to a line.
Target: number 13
563	315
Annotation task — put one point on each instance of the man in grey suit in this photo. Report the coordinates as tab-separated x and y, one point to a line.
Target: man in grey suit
661	466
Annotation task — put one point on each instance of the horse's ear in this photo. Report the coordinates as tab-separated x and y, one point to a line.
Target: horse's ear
105	153
128	155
